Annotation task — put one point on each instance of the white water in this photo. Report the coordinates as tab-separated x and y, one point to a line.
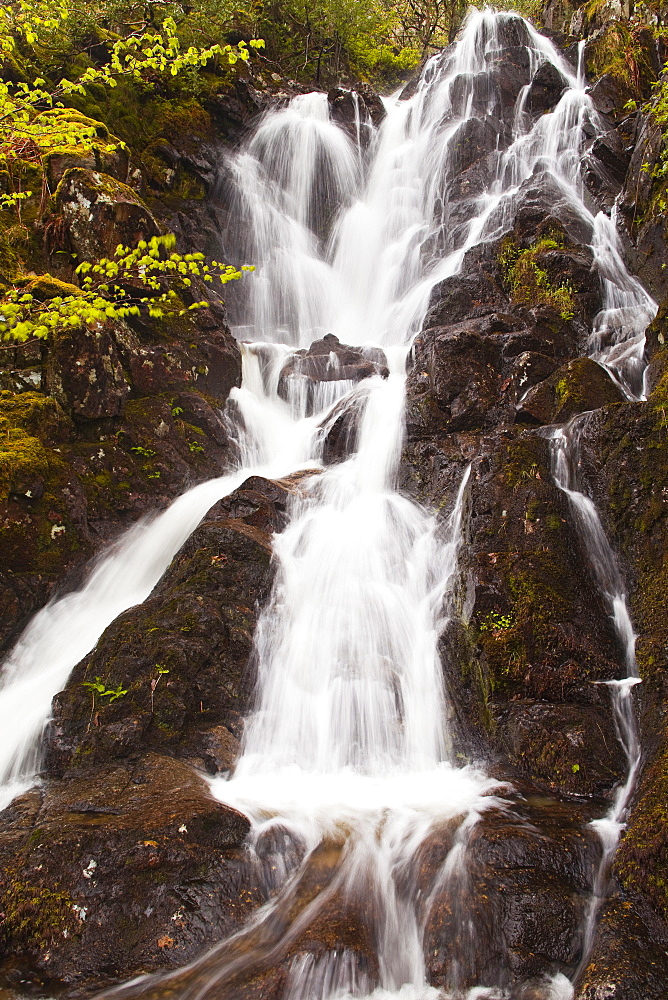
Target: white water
349	745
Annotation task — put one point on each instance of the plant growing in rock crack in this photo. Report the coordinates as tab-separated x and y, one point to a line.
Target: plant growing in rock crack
145	279
99	688
160	670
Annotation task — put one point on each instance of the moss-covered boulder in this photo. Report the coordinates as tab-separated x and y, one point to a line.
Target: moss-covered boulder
100	212
574	388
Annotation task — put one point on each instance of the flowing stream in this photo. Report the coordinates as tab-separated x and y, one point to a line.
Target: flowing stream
347	767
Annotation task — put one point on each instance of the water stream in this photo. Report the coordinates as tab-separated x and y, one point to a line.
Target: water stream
347	763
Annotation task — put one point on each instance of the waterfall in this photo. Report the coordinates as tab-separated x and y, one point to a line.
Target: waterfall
565	445
347	757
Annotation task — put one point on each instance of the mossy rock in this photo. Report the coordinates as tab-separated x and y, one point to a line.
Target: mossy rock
47	287
574	388
100	212
27	420
623	55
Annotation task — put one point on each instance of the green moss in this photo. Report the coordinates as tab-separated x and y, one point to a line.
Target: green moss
23	459
642	861
26	419
620	52
35	916
530	284
47	287
522	460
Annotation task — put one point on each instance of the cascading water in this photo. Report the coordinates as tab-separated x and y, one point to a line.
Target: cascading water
565	445
346	760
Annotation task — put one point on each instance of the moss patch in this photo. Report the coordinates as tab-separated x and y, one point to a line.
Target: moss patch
35	916
529	282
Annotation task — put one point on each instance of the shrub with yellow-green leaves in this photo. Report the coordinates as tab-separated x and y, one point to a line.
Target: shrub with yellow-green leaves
146	279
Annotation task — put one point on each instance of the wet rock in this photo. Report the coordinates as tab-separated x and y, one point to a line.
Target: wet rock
568	747
327	360
541	200
546	89
261	503
512	909
340	430
628	959
612	155
578	386
645	224
473	139
137	869
358	112
477	290
478	89
454	381
623	465
93	385
182	658
536	629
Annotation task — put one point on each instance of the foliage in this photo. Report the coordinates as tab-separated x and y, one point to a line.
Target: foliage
146	278
496	622
657	111
529	283
32	120
100	688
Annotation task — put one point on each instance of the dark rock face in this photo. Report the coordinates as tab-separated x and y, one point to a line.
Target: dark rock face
143	834
521	906
576	387
182	656
546	88
357	112
145	866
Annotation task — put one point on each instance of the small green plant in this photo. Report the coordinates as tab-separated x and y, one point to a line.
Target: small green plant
194	447
177	411
99	688
497	622
160	670
529	283
144	452
575	768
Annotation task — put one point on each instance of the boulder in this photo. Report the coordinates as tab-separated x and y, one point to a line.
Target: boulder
327	360
100	212
574	388
135	869
512	911
546	89
84	371
182	658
